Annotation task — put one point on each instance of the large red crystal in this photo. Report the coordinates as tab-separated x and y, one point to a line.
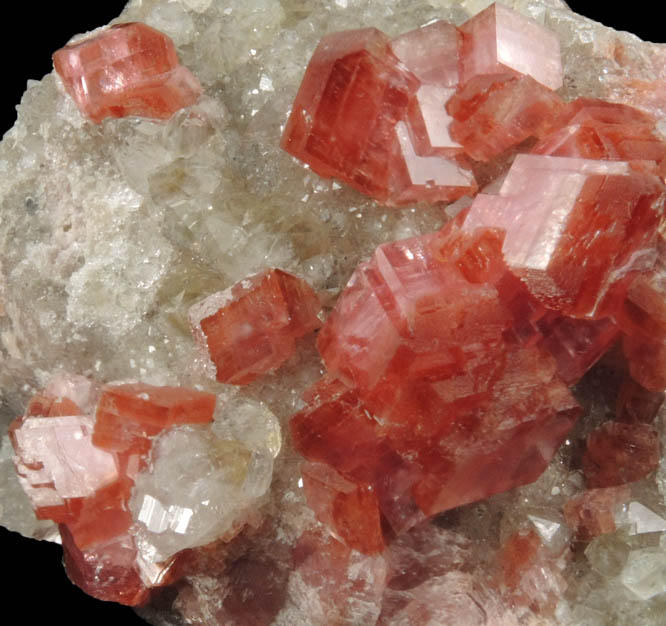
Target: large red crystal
250	328
591	224
128	69
444	406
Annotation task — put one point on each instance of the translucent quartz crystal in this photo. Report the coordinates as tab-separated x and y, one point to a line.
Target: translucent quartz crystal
197	489
127	69
619	453
563	267
500	40
250	328
492	113
593	512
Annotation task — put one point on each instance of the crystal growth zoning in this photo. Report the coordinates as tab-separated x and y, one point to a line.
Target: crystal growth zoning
127	69
250	328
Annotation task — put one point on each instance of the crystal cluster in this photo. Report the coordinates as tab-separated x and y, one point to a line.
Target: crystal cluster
87	459
448	355
400	119
347	413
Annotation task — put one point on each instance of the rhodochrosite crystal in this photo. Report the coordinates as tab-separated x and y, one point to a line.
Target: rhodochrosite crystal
128	69
250	328
413	376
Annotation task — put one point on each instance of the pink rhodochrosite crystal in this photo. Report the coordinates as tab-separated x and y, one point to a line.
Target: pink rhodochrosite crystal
492	113
250	328
500	40
556	252
127	69
377	114
445	407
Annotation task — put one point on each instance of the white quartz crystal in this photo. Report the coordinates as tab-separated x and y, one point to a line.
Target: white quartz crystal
198	487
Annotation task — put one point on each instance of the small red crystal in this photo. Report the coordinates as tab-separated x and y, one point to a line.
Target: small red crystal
529	574
593	512
619	453
492	113
351	510
595	129
250	328
127	415
635	403
127	69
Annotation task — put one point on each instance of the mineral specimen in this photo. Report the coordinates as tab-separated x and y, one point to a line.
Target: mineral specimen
460	356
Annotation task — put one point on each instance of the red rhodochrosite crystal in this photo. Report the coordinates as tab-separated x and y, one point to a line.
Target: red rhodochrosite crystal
643	320
619	453
530	574
343	118
593	512
251	328
445	408
128	69
127	415
594	129
373	112
80	472
591	223
492	113
500	40
637	404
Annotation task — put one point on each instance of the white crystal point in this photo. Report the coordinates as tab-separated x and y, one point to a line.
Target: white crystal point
554	533
198	488
641	520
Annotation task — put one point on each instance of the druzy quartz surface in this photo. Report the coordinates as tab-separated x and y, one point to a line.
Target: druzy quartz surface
345	475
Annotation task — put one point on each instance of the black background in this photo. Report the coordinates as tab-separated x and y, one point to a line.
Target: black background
34	587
